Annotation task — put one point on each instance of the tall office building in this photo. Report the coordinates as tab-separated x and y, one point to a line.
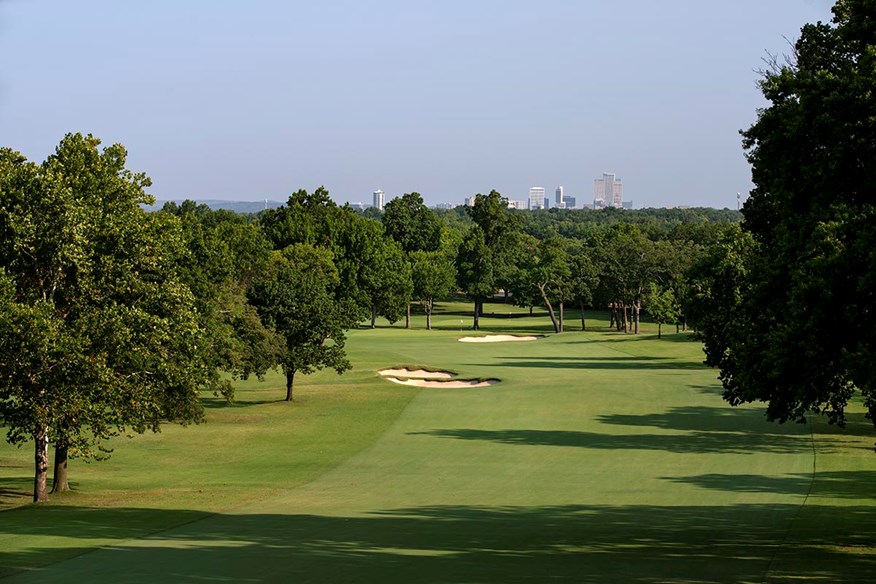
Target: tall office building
608	191
560	200
378	200
536	198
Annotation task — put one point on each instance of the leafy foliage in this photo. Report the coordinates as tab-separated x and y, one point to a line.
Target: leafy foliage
801	336
100	335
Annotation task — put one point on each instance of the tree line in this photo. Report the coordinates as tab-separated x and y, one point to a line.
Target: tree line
113	319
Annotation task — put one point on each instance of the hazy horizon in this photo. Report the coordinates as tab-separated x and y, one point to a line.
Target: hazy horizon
246	102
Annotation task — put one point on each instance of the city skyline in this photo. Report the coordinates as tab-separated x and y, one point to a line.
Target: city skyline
232	105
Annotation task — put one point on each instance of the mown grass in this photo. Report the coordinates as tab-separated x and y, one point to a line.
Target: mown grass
601	457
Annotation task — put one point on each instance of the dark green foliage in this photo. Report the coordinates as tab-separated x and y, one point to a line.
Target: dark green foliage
414	226
225	252
801	336
481	260
433	278
296	297
361	252
100	336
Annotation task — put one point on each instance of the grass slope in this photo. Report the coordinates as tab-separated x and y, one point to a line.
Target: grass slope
601	457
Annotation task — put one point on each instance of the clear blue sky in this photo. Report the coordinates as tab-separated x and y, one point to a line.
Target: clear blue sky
253	100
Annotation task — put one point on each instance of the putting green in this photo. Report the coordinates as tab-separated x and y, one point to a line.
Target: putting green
599	458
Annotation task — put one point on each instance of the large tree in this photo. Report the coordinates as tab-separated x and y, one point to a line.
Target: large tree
803	336
415	228
433	277
413	225
225	251
98	334
295	296
546	274
481	253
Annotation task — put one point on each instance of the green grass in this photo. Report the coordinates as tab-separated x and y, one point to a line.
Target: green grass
600	457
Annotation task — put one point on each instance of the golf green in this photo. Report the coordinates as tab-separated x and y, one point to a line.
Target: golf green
600	457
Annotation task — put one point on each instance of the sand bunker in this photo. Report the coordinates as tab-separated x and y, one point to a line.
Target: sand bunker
416	374
445	384
497	339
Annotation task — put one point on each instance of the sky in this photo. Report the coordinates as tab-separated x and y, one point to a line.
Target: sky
254	100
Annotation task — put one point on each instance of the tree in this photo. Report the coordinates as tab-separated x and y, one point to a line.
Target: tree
661	305
433	277
802	336
295	296
225	251
387	279
546	272
474	270
413	225
482	248
584	277
628	261
99	336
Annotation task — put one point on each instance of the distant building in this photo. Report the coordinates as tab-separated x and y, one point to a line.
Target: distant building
357	206
608	191
560	199
568	202
627	204
516	204
444	206
536	198
470	201
378	199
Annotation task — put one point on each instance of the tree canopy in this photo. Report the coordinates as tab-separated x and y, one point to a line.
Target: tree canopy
99	336
801	336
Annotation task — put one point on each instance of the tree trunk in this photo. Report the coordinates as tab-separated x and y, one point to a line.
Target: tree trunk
550	308
408	317
676	327
626	310
429	314
561	316
530	311
613	315
583	322
637	307
477	313
41	465
373	317
59	478
290	378
507	294
684	325
658	330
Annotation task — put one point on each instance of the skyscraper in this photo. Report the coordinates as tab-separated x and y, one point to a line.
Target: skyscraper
378	200
536	198
608	191
560	201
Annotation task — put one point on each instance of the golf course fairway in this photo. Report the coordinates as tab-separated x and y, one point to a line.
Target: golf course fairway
599	457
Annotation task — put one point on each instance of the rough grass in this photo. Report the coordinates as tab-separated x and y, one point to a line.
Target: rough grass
601	457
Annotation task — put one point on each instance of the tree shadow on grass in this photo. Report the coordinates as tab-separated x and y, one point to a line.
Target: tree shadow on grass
213	403
699	442
641	544
630	363
702	418
835	484
14	489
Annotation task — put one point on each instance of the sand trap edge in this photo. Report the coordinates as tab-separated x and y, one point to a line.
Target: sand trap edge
416	372
499	338
449	384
